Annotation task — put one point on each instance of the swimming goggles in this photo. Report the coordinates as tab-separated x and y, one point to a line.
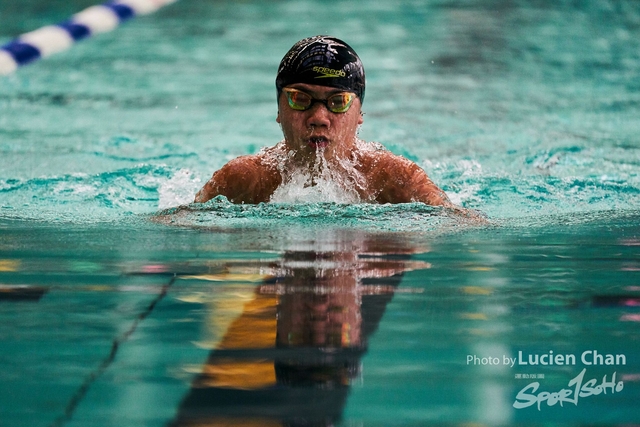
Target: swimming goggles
336	103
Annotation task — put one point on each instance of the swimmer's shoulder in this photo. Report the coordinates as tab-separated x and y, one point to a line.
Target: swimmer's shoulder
257	173
246	179
247	165
395	179
254	166
375	159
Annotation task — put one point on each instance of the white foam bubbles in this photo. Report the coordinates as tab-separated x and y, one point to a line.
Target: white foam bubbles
320	184
178	190
299	190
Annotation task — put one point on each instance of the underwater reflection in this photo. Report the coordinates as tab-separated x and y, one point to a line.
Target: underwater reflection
290	358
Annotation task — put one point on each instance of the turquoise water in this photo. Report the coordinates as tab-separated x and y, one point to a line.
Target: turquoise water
122	304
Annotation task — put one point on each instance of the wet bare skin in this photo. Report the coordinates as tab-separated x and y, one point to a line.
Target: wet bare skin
377	175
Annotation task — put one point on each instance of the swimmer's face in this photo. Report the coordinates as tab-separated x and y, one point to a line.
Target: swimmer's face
318	128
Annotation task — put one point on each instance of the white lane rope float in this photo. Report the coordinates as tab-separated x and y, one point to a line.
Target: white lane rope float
52	39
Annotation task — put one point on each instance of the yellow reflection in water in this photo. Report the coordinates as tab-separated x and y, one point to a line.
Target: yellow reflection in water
254	328
8	265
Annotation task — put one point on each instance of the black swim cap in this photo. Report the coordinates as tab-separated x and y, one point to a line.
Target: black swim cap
324	61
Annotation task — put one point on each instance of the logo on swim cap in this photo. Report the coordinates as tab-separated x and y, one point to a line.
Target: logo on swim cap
328	72
324	61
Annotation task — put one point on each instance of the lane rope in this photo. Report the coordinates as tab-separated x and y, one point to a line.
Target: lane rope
53	39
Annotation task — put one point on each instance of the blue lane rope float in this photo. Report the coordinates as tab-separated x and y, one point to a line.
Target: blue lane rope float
52	39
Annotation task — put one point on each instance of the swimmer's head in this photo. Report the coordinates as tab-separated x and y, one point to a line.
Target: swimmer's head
323	61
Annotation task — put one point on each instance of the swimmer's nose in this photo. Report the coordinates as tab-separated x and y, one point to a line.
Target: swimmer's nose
318	116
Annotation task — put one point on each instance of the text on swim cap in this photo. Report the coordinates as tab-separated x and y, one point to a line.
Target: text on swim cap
329	72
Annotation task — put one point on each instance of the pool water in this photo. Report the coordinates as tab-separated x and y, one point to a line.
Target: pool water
121	303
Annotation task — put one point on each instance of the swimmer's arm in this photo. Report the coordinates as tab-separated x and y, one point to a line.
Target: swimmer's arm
240	181
422	189
402	181
410	183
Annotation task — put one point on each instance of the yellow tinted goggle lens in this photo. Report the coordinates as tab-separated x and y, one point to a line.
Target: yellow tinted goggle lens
340	102
336	103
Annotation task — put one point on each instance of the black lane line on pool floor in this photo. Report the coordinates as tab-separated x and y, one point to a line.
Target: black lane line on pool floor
115	346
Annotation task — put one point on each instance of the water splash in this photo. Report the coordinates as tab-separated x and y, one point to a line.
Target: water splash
178	190
318	184
219	213
82	197
329	178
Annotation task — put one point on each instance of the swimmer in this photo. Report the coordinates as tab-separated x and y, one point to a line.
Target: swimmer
320	86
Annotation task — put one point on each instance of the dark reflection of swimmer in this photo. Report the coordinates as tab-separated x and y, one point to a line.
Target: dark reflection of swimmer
290	359
321	85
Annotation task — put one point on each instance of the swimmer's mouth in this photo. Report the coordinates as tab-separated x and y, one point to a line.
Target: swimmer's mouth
318	142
